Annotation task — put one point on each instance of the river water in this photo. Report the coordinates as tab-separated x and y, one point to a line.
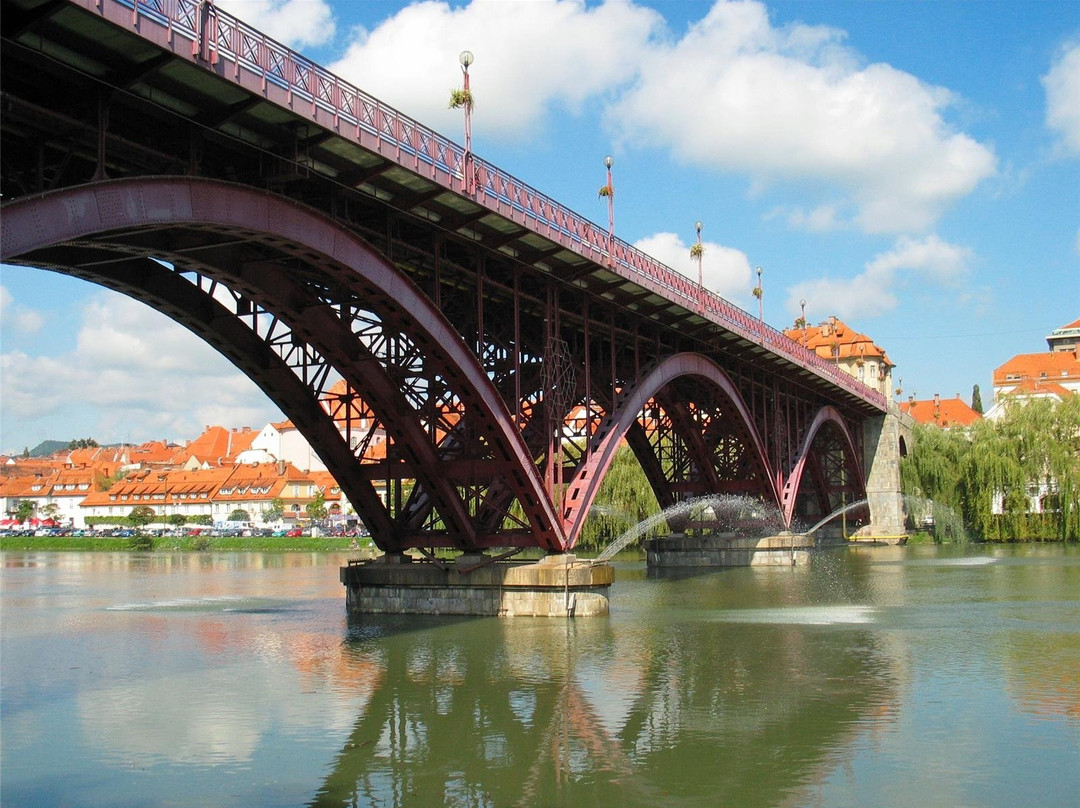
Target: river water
868	677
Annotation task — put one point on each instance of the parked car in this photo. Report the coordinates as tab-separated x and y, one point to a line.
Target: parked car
292	534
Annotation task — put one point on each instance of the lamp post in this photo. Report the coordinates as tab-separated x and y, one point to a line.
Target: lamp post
466	59
700	252
802	305
759	293
609	161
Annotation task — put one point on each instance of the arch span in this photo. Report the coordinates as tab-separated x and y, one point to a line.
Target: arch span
826	417
298	303
624	422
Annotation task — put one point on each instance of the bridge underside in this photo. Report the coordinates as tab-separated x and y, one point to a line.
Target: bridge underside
484	447
464	374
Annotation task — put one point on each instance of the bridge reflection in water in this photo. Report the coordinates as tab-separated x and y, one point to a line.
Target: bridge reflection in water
702	707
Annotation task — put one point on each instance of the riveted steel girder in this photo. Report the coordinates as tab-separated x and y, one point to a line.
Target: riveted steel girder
329	309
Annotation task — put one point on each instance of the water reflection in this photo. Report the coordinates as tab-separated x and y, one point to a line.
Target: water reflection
892	676
540	712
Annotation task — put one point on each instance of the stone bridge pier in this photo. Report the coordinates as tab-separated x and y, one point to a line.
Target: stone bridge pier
885	439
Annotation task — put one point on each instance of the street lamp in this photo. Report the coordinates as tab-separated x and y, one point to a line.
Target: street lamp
759	293
609	191
802	305
466	58
700	252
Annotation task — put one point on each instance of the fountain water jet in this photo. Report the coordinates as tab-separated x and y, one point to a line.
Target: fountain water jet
862	503
731	514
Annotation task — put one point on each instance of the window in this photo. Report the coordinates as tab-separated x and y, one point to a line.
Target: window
873	370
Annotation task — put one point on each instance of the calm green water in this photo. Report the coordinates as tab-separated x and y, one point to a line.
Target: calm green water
874	677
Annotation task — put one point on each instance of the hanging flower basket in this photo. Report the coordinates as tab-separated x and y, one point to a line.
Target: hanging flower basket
606	190
459	99
697	250
758	292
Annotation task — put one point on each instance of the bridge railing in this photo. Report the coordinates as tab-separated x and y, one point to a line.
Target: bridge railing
227	43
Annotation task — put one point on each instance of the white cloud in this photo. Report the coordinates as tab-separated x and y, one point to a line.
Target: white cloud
134	375
781	105
873	292
296	23
823	218
1062	86
724	270
18	318
529	58
792	104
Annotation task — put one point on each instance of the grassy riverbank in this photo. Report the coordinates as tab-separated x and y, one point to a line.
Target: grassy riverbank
258	544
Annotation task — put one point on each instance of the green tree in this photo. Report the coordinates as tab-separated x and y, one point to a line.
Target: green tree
999	475
316	509
275	511
25	509
50	511
177	519
624	499
239	515
82	443
976	400
141	515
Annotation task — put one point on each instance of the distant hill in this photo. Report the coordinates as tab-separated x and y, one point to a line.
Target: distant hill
47	447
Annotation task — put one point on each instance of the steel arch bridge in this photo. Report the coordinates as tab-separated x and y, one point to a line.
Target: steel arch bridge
505	346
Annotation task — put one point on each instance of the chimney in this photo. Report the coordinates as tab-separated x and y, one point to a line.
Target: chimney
280	467
937	400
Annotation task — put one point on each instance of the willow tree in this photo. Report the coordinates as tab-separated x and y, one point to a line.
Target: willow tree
1064	466
1017	478
624	499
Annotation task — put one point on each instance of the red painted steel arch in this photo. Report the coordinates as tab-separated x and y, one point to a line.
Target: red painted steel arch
826	416
583	487
104	210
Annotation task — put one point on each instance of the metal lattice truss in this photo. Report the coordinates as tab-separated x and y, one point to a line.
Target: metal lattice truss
318	332
460	435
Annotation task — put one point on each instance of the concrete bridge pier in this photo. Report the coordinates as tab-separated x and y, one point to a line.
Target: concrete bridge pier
558	585
729	550
883	440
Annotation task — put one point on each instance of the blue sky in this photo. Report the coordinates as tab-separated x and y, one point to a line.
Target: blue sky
911	167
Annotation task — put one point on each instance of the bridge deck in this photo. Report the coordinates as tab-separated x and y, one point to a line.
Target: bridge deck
265	115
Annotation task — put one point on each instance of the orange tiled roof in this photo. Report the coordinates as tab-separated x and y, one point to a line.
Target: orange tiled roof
943	412
24	487
850	344
217	444
1058	367
29	466
156	452
1037	387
